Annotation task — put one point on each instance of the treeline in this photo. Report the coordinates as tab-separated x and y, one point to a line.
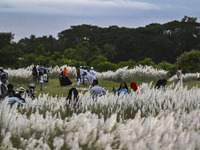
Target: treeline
156	44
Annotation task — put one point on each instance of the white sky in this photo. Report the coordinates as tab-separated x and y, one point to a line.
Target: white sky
49	17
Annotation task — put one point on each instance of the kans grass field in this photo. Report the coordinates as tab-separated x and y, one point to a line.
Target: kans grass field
147	119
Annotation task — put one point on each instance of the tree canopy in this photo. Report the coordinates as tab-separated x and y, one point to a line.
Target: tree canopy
92	45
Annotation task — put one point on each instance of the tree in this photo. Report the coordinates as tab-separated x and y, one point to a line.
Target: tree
28	60
87	51
40	51
189	61
109	51
97	60
5	39
10	55
71	53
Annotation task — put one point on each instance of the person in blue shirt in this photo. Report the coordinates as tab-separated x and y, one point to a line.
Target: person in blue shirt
122	89
16	99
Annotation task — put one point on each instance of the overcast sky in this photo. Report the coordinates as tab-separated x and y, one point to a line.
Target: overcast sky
49	17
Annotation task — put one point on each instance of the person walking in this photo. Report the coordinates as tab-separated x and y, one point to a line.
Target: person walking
92	75
40	69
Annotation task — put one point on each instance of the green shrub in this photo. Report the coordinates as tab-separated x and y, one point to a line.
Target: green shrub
147	61
189	61
129	63
105	66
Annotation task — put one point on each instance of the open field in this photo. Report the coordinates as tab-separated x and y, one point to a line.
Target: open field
147	119
53	86
150	119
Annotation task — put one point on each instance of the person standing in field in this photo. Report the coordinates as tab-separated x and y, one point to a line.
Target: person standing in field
81	73
122	89
41	69
35	74
65	79
179	74
60	76
3	87
92	75
96	91
78	76
41	82
85	76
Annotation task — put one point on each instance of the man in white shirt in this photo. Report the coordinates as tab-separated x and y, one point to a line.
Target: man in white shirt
97	91
92	75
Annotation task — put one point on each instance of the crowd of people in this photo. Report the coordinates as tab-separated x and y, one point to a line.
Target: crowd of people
41	74
85	77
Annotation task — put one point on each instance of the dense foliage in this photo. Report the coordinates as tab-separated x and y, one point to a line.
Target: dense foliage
157	45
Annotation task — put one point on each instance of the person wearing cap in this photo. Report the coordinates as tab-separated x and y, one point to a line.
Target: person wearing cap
92	75
17	98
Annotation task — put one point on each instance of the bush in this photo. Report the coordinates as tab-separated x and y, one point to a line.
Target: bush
105	66
189	62
164	65
147	62
129	63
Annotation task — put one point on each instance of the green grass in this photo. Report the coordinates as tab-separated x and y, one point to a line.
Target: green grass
54	89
